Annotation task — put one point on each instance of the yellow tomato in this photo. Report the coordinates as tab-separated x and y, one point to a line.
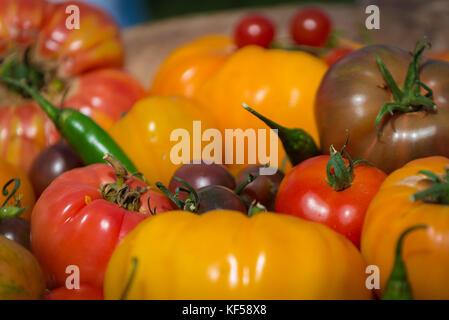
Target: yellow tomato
186	69
426	253
279	84
144	133
226	255
8	172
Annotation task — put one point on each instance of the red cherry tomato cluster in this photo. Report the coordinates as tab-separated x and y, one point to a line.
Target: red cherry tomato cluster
308	27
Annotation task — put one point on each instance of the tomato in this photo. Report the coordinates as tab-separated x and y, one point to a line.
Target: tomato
105	95
338	199
336	54
393	210
21	277
355	95
283	95
63	59
85	292
184	71
226	255
310	26
254	29
145	133
8	172
444	55
74	224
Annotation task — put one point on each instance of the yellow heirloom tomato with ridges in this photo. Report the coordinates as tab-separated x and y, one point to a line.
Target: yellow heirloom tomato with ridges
226	255
144	134
392	211
279	84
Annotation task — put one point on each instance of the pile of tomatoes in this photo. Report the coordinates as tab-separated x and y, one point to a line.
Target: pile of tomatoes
365	181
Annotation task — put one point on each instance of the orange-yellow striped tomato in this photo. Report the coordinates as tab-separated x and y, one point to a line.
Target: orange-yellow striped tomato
226	255
425	252
186	69
144	133
8	172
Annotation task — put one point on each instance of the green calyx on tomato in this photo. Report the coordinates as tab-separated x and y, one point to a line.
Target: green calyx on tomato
342	176
119	192
11	211
298	144
191	204
438	192
398	286
409	99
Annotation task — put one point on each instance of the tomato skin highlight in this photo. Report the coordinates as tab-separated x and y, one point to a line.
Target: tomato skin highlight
305	193
74	225
310	26
254	29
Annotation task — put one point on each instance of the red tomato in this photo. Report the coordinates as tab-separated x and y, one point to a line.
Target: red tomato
336	54
310	26
74	225
85	292
305	193
254	29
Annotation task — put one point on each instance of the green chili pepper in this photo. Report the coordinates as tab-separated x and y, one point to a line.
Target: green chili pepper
85	136
398	287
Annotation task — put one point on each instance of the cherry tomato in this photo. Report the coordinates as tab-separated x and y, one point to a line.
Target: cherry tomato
336	54
50	163
263	189
16	229
219	198
305	193
310	26
201	175
254	29
85	292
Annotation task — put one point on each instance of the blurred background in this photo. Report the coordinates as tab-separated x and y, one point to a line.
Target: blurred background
154	28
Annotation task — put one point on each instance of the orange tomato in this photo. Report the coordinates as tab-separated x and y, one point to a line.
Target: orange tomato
186	69
425	252
8	172
444	55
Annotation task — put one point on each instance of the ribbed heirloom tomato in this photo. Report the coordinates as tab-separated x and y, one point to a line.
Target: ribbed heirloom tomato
416	194
330	190
83	215
226	255
35	42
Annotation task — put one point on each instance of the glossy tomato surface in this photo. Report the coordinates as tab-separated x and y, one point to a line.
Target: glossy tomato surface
305	193
74	225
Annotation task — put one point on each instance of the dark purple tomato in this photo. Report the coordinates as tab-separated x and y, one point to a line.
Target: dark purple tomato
263	189
219	197
16	229
50	163
201	175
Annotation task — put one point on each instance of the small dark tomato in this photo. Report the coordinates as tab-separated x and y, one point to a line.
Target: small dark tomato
263	189
16	229
254	29
219	197
50	163
201	175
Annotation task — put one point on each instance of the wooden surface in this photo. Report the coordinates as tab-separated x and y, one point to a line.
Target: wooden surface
402	23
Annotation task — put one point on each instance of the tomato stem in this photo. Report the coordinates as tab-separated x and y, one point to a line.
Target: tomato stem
191	204
438	192
341	176
119	192
11	211
298	144
409	99
398	286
